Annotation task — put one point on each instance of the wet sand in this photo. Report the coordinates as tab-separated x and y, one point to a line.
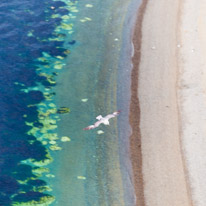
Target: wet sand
162	148
134	117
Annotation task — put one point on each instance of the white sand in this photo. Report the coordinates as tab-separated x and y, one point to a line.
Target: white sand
165	182
192	94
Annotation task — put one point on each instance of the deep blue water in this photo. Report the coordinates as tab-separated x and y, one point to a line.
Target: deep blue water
25	27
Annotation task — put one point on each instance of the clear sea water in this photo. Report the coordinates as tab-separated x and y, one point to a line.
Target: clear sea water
71	56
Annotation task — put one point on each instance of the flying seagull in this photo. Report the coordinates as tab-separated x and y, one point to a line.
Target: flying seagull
102	120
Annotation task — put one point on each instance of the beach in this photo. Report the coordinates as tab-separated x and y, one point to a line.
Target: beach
169	43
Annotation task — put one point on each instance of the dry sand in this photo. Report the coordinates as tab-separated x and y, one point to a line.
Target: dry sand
192	95
170	63
163	171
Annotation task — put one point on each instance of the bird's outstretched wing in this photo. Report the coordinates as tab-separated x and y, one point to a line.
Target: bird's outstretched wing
89	127
95	125
114	114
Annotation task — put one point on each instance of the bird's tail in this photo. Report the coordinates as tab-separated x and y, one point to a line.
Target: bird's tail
89	127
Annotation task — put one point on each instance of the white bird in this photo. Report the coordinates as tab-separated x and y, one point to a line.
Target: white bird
102	120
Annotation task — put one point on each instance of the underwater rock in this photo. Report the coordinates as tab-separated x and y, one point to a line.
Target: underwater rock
89	5
52	105
81	178
43	59
32	198
55	73
49	78
43	162
52	142
43	189
65	17
44	142
50	175
67	51
55	147
60	57
100	132
65	139
30	34
63	110
86	19
58	66
73	9
84	100
56	16
40	170
50	136
66	26
72	42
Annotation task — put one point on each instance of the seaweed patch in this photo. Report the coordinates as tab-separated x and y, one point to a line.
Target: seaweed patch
31	58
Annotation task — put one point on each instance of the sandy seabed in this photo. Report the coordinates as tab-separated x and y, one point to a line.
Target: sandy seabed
169	60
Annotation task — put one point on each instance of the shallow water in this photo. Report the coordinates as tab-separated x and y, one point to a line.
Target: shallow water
101	63
65	54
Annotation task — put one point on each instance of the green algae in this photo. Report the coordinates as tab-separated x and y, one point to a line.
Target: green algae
58	66
42	162
51	136
56	39
49	78
56	16
44	142
52	105
86	19
43	201
60	57
67	51
48	116
63	110
55	148
52	142
45	54
43	59
42	189
65	17
40	170
50	175
66	26
30	34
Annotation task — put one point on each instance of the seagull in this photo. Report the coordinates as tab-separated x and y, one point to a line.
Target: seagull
102	120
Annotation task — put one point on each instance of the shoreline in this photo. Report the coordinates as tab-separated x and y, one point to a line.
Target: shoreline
134	119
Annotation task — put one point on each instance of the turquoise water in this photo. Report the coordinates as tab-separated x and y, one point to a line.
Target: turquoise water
62	64
94	169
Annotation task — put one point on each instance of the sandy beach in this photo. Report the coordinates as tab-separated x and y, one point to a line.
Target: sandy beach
169	156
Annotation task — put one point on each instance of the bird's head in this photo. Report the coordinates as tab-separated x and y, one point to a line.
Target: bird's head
117	112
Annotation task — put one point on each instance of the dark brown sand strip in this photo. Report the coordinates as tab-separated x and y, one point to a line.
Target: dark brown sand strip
135	138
